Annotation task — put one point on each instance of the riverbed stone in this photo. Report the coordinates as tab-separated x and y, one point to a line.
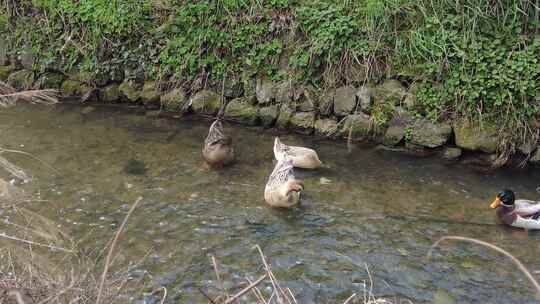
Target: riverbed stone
397	129
5	70
358	126
451	153
130	90
391	91
175	100
471	136
364	96
241	110
303	122
150	93
268	115
110	93
430	134
344	100
50	81
326	127
206	102
285	115
21	80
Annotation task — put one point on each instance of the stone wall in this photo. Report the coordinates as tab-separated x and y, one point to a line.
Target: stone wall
382	113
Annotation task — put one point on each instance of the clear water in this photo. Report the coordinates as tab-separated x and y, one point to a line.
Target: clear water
366	207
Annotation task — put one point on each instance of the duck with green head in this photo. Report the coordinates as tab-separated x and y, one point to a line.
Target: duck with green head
516	213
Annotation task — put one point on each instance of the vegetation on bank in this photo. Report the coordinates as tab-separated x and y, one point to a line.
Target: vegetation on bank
477	60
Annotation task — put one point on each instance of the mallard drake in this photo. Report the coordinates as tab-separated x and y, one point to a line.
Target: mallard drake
516	213
302	157
283	189
217	150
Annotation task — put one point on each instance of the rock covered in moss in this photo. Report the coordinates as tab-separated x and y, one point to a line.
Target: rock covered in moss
268	115
233	88
326	104
175	100
206	102
358	126
150	93
310	101
390	91
50	81
429	134
344	100
110	93
27	58
325	127
285	115
364	96
303	122
410	101
5	71
397	129
471	136
451	153
75	88
130	90
21	80
265	91
241	110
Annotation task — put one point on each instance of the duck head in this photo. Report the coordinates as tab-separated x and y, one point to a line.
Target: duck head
504	198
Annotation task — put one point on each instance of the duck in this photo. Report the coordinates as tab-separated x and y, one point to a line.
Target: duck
283	190
218	150
302	157
516	213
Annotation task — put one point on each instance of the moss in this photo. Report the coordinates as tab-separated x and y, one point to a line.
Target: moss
174	100
150	93
5	71
206	102
130	90
21	80
110	93
241	110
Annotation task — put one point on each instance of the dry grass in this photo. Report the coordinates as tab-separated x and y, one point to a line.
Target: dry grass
256	291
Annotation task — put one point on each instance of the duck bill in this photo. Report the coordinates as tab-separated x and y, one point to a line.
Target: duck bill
496	203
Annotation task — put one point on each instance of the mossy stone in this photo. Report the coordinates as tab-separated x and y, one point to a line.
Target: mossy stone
325	127
358	126
72	88
51	81
21	80
174	100
326	104
284	118
268	115
206	102
452	153
471	136
110	93
429	134
344	100
130	90
390	92
241	110
5	71
303	122
397	128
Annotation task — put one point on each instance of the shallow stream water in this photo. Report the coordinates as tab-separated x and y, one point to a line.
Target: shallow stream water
366	209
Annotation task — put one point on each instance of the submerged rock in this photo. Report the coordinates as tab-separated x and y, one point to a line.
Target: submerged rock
303	122
174	100
241	110
269	115
451	153
110	93
21	80
358	126
429	134
150	93
344	100
390	91
206	102
130	90
325	127
473	137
